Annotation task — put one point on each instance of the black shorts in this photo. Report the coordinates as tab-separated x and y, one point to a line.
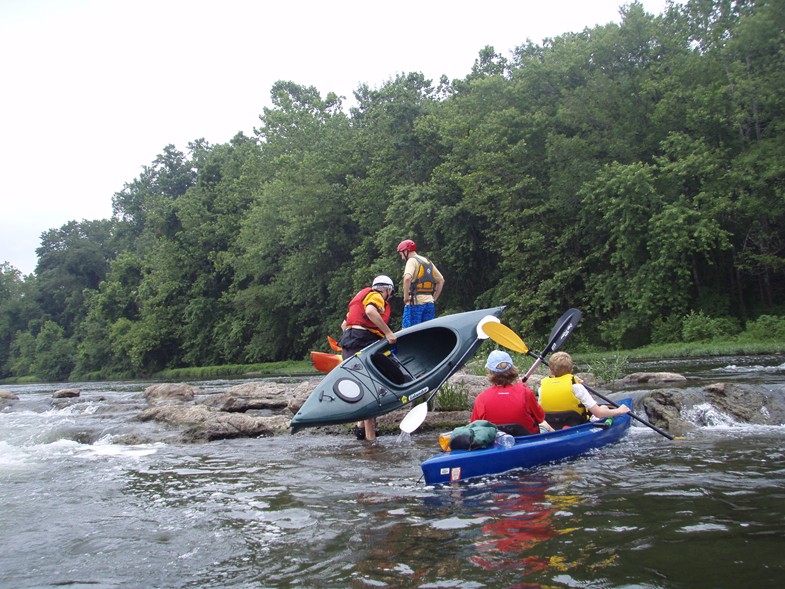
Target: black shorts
354	340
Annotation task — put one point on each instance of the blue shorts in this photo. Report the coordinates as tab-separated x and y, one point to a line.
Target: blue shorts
416	314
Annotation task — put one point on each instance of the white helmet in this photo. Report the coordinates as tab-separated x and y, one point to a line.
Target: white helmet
383	281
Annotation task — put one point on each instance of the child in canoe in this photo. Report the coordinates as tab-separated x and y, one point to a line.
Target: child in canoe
565	400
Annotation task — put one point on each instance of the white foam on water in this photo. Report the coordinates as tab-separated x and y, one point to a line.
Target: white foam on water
105	447
736	369
705	414
10	456
458	523
699	528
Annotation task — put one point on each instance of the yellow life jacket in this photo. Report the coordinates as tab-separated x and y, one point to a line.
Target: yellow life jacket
556	395
424	282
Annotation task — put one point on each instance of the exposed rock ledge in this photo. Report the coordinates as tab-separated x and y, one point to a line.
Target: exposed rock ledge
265	408
651	378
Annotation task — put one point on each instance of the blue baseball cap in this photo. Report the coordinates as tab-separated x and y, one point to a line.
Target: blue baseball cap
499	361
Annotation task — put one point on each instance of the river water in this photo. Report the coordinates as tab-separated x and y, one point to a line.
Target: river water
316	511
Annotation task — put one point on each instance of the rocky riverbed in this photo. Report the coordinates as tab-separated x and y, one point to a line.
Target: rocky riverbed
187	413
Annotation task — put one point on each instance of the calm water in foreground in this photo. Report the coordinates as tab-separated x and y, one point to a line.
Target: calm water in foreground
322	511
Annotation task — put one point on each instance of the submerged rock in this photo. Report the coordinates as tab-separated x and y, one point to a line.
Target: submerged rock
651	378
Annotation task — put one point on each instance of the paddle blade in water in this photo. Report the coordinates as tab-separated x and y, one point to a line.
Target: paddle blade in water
414	418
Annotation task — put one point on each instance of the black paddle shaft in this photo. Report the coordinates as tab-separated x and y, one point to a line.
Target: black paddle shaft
631	414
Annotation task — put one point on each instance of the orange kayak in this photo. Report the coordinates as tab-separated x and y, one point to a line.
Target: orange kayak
324	362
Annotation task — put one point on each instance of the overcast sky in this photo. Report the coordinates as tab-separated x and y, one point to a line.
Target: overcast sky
92	90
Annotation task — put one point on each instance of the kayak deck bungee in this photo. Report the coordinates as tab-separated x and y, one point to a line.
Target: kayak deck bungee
382	378
528	451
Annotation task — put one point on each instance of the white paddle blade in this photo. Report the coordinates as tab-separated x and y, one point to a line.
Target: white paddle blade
414	418
480	332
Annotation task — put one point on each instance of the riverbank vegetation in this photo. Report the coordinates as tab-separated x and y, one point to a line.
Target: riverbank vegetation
632	170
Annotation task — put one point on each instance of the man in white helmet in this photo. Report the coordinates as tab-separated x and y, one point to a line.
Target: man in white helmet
366	322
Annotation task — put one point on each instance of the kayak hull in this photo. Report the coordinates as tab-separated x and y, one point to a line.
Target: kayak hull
528	451
324	362
382	378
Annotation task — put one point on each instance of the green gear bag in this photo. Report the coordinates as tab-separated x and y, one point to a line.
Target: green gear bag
478	434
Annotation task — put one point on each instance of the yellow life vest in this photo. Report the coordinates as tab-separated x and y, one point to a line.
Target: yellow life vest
424	282
556	395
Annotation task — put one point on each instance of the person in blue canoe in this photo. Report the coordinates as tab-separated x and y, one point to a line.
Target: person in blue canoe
565	400
508	403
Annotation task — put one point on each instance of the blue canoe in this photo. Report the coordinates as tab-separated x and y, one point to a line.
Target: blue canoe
528	451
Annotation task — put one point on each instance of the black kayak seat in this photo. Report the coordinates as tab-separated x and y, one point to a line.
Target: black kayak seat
514	429
412	365
561	419
391	368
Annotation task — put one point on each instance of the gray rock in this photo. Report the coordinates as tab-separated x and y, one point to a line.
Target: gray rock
200	423
300	394
168	393
746	403
742	402
663	409
259	396
7	398
65	394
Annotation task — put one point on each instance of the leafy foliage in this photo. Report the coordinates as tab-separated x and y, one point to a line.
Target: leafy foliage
634	170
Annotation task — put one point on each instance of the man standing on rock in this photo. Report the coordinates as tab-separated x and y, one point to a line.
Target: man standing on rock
422	285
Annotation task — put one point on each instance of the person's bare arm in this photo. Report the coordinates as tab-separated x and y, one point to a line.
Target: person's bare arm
407	289
438	290
603	411
376	319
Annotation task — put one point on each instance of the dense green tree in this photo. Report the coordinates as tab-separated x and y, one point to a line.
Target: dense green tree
71	260
18	312
54	354
297	233
633	170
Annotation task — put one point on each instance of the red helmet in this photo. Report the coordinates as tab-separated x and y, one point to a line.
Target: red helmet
407	245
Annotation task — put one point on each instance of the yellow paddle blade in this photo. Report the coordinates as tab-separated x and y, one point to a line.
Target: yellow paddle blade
505	336
480	333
